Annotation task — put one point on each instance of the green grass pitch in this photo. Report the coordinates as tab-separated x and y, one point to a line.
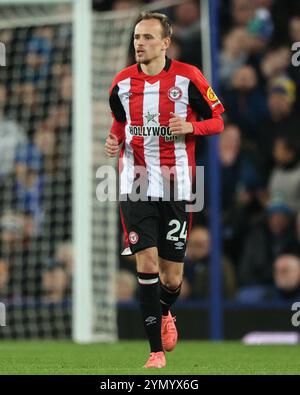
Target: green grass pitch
127	357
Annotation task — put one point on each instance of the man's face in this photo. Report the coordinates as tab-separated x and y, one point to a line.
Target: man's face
242	11
282	155
287	273
278	223
295	29
198	244
148	41
279	104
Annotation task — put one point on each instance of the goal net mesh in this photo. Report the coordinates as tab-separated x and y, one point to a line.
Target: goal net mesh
35	171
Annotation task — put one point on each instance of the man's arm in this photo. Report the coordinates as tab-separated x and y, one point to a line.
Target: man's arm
207	127
117	131
205	104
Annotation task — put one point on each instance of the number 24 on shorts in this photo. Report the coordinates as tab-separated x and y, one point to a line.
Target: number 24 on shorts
175	224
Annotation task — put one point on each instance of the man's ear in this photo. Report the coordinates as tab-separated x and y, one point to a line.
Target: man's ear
166	43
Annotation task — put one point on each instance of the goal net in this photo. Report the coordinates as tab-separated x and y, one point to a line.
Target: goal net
36	255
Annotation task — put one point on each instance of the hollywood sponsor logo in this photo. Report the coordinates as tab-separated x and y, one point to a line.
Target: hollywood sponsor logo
174	93
133	237
146	131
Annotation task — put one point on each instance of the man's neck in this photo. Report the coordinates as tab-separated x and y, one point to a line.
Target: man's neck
154	67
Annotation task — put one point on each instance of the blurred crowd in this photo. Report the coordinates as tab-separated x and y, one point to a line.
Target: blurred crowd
259	153
35	182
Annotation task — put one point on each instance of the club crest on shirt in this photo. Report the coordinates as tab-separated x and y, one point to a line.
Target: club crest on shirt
133	237
174	93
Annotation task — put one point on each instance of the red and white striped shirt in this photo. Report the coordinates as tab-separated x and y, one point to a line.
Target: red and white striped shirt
141	105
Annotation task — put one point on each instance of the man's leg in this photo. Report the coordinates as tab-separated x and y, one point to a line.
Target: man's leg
170	274
170	283
148	279
141	223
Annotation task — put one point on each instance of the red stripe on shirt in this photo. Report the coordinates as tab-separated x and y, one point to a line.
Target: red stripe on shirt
166	148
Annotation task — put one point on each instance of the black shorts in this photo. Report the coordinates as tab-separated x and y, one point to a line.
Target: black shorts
161	224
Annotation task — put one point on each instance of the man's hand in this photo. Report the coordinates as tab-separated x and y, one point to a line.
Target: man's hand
111	146
178	126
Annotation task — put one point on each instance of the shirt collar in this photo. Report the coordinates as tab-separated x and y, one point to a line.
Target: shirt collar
166	68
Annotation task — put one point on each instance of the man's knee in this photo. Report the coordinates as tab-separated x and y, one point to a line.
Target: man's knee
147	261
170	280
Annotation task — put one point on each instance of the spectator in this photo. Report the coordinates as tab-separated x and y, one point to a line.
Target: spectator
232	56
294	246
38	55
286	286
13	233
242	12
59	117
282	119
263	4
196	269
275	62
286	278
187	31
45	140
245	102
64	255
294	28
25	104
20	252
284	182
55	282
11	136
265	242
240	178
29	183
242	190
66	88
260	29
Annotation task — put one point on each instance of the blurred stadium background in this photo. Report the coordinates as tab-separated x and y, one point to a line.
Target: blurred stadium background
54	118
